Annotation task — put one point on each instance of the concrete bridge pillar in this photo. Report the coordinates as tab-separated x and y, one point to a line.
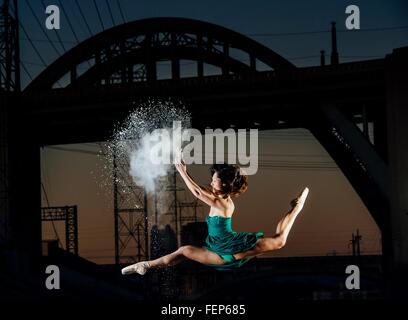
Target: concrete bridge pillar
397	129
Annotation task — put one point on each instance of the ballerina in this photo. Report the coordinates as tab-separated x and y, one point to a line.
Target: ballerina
224	248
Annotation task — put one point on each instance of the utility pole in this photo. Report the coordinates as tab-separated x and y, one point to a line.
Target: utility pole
334	58
358	239
322	58
355	242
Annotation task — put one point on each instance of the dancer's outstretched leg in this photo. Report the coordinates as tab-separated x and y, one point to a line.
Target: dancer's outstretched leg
142	267
277	241
297	205
185	252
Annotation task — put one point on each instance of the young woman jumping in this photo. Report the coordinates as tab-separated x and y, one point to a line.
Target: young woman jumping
224	248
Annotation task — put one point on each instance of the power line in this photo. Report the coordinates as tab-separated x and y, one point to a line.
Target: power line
69	21
297	168
294	166
295	155
45	40
33	63
360	56
74	150
26	71
98	250
188	63
35	49
65	41
325	31
100	257
99	15
71	27
41	65
32	44
376	29
286	33
83	17
110	12
261	155
120	10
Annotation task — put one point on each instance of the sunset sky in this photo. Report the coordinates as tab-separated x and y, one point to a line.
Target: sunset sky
290	160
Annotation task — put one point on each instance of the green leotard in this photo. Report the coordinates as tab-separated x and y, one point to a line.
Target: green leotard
225	242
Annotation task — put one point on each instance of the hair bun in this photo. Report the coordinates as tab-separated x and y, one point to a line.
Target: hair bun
234	180
240	184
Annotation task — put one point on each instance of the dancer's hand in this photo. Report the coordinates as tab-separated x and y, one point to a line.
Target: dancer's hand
179	162
181	167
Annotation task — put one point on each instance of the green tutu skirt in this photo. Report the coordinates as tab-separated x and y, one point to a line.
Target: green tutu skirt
225	242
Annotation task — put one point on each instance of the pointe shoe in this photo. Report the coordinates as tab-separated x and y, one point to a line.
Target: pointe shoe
140	268
305	192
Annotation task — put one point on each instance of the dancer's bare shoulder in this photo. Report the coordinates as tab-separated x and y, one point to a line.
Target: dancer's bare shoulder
222	207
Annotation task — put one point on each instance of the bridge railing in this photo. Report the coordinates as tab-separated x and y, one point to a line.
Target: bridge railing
345	73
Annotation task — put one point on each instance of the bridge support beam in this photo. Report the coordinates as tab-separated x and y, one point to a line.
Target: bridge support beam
356	157
175	62
397	120
359	145
380	131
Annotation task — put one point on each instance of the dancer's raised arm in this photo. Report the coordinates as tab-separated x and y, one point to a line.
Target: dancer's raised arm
204	195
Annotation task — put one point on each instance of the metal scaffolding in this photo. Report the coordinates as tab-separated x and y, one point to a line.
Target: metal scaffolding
130	215
9	48
179	205
173	189
69	215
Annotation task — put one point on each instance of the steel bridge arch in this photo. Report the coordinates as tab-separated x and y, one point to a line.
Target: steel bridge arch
149	40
